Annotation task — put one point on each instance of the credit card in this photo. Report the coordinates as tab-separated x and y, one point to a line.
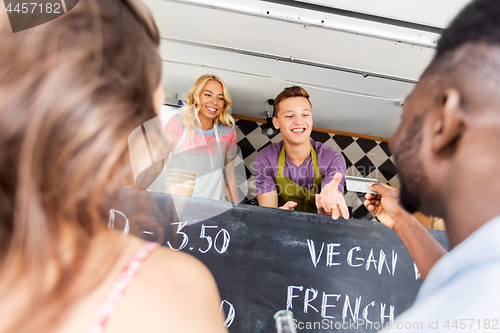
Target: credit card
359	184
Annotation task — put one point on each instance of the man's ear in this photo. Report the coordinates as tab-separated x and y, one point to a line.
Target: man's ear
275	123
450	120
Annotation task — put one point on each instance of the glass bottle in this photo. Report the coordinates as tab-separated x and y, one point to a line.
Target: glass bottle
284	322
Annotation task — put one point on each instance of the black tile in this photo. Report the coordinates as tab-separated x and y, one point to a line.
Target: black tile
246	147
362	213
276	131
246	126
251	201
348	162
388	169
366	145
385	148
343	141
365	166
264	146
320	136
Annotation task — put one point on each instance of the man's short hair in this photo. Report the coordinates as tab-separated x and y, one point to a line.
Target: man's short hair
289	92
477	22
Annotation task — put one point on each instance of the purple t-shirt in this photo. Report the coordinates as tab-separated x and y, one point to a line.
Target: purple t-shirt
266	167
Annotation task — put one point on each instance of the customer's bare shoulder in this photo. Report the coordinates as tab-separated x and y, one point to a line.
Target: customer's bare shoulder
171	291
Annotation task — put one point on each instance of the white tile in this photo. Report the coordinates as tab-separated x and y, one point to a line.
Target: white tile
239	134
394	182
238	159
257	139
377	175
249	161
277	138
251	188
377	156
353	172
352	200
354	152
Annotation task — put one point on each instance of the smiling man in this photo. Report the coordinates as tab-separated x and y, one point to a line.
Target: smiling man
299	173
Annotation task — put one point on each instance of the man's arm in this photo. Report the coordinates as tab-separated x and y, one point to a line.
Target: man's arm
266	187
270	199
331	201
422	246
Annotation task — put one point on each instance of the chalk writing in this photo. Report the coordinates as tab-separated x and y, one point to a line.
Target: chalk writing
111	222
230	312
185	238
310	244
380	265
222	234
329	302
417	273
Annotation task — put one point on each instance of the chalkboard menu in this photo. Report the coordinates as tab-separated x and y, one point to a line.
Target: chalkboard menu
338	276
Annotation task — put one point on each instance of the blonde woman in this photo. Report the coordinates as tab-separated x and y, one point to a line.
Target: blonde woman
71	92
202	140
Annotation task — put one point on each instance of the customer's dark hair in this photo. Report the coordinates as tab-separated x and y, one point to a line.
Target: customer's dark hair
479	21
465	58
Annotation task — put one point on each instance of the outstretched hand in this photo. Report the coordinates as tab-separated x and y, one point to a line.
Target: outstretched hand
331	200
289	205
385	205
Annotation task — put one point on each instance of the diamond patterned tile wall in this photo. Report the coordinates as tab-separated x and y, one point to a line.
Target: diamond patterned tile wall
367	158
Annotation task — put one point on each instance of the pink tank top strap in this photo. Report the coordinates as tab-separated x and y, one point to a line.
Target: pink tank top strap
116	292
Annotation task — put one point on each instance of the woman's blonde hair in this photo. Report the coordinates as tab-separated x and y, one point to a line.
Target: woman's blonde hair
189	113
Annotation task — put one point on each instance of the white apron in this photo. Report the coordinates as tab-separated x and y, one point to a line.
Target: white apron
209	168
